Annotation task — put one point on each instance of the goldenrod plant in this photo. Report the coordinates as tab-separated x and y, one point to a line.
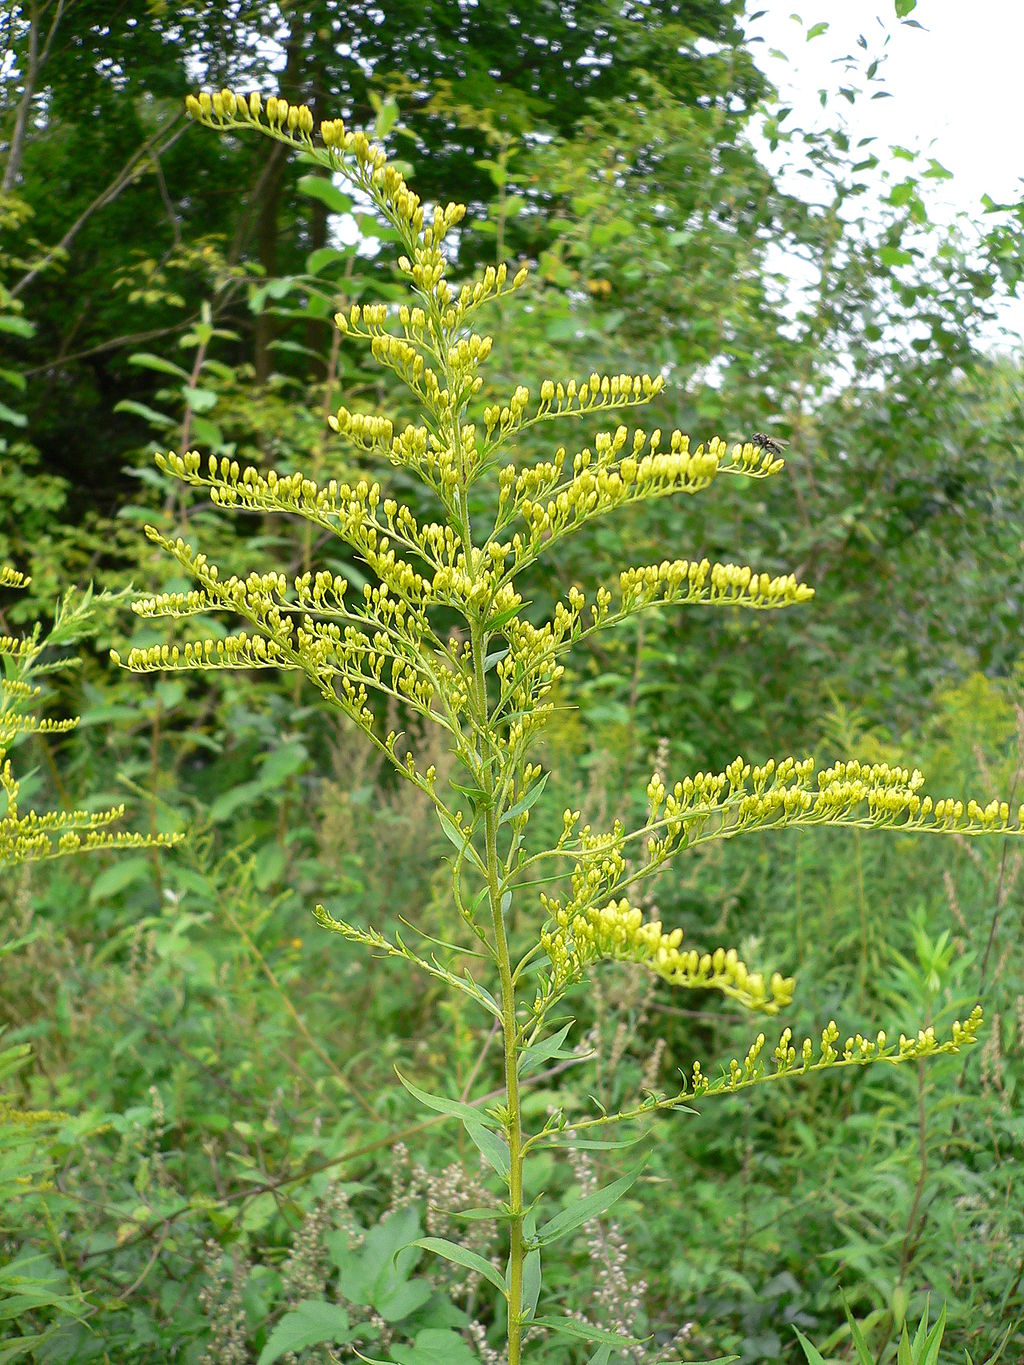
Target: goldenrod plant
443	634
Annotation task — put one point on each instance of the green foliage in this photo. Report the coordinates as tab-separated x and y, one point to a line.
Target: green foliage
210	1070
920	1349
32	1282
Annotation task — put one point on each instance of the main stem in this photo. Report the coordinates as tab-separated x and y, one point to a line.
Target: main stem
513	1117
513	1122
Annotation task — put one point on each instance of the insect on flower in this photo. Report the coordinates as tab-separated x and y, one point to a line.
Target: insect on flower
763	441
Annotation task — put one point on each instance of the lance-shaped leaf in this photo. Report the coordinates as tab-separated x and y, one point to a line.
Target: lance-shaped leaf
583	1210
462	1256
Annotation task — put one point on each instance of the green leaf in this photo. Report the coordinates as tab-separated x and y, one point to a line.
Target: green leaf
903	1353
323	257
530	799
200	400
16	325
905	7
532	1279
322	188
497	172
469	1260
245	794
498	1215
894	255
547	1050
816	30
206	433
148	414
147	361
813	1355
860	1345
452	832
259	1213
387	115
435	1346
15	378
503	618
282	763
16	419
936	171
603	1144
454	1108
493	1146
377	1273
475	794
312	1323
583	1210
125	872
718	1360
12	946
583	1331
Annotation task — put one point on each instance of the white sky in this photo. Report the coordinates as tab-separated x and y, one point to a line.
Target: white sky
956	87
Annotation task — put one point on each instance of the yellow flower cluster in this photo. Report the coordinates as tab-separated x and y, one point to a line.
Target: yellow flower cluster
683	580
619	932
612	476
783	1062
744	798
796	793
345	649
53	834
857	1050
569	399
354	514
386	642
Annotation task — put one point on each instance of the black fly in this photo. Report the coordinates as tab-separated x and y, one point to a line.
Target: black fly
763	441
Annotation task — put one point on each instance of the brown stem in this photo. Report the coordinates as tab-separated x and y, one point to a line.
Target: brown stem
120	182
36	61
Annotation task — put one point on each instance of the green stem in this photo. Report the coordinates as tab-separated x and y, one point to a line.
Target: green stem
514	1127
862	911
513	1118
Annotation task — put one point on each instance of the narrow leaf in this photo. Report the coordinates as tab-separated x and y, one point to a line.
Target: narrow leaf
498	1215
324	189
492	1145
860	1345
441	1105
813	1355
532	1278
15	325
583	1331
531	797
469	1260
503	618
147	361
537	1054
583	1210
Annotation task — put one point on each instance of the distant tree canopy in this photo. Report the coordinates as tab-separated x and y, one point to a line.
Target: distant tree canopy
90	109
156	285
